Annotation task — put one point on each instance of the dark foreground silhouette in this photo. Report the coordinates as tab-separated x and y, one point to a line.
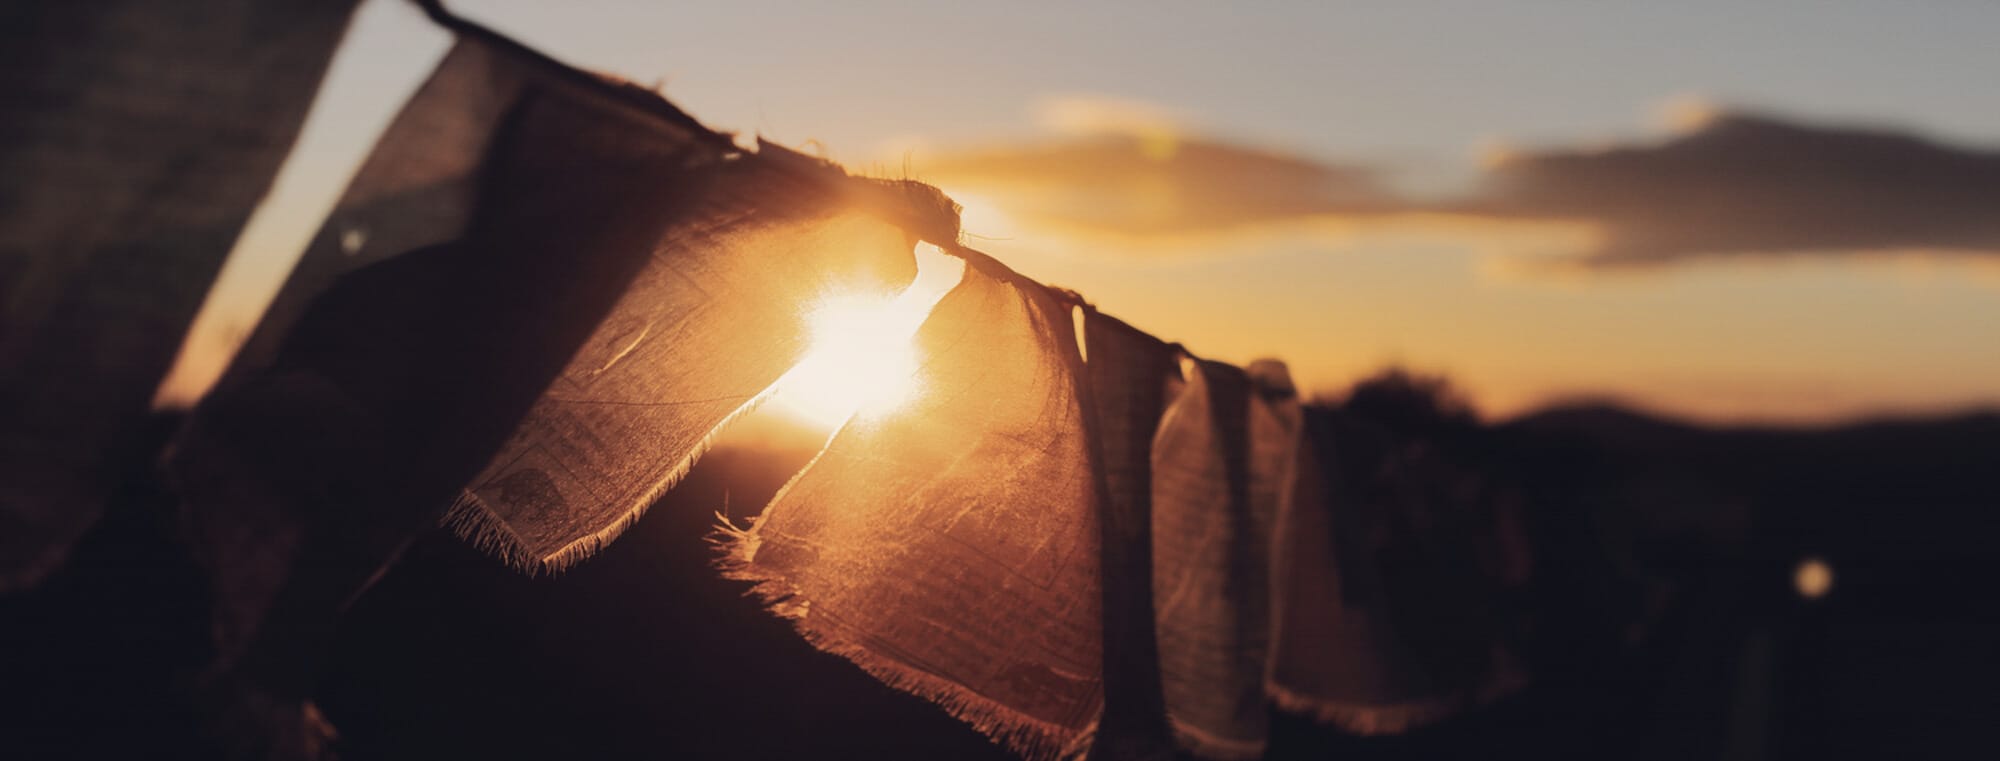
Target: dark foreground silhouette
1660	619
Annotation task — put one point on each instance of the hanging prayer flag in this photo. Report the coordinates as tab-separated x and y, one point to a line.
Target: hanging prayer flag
1132	375
1221	467
137	138
1378	624
400	377
949	546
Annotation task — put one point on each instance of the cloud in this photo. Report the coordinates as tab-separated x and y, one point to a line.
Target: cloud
1126	168
1738	184
1721	185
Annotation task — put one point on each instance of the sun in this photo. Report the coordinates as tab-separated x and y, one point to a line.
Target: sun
863	358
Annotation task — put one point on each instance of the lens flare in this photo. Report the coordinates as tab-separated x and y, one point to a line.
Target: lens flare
1813	578
863	360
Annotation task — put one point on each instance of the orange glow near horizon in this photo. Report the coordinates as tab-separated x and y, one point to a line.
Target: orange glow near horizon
863	360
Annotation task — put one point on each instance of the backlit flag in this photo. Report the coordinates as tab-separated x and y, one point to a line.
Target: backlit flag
1132	379
1222	464
137	137
1378	623
539	296
723	308
949	546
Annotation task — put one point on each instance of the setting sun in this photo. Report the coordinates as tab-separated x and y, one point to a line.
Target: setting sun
862	359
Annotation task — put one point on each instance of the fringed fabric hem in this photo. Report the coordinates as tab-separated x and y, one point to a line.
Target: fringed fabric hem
1032	739
473	521
1212	746
1368	718
1396	718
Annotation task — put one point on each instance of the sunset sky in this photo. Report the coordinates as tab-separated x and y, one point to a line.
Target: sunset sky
1788	212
